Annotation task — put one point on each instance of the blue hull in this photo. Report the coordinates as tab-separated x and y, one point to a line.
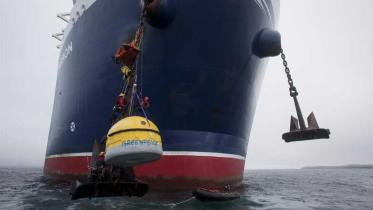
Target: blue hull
200	73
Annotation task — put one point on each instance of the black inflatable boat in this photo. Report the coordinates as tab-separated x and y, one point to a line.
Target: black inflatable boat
107	189
203	194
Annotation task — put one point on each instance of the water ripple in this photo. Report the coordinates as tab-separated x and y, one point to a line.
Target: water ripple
261	189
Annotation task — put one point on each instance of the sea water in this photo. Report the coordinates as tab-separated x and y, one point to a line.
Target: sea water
26	188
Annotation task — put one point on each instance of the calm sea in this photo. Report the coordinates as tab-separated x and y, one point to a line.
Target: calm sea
262	189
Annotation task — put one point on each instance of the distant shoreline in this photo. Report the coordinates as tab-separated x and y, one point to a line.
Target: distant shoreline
352	166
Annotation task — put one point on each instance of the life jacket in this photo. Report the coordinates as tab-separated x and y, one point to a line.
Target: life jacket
125	70
121	102
101	157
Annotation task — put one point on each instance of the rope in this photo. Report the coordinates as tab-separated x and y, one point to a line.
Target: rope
141	64
173	205
125	86
135	68
137	42
143	110
132	96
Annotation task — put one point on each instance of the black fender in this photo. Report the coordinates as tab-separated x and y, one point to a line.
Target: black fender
160	13
267	43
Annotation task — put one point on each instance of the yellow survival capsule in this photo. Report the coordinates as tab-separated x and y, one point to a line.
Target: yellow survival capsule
131	141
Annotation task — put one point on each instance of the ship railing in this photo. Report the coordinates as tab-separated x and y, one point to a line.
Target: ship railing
59	36
64	16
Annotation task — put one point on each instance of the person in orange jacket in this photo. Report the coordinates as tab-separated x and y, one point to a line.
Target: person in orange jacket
121	102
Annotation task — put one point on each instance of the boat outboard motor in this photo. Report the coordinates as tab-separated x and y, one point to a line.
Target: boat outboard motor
107	181
160	13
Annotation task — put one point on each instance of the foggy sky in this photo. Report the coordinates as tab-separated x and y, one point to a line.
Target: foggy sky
329	47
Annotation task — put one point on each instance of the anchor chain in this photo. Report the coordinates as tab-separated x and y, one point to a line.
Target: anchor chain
136	43
293	90
140	28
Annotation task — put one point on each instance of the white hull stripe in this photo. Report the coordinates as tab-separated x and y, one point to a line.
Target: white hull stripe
166	153
82	154
202	154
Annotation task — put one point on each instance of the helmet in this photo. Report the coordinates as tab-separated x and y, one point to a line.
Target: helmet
121	94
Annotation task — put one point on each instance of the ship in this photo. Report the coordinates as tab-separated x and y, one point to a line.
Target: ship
199	68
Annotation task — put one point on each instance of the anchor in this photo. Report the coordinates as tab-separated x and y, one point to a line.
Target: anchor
298	129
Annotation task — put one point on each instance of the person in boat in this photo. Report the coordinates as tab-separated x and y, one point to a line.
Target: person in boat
106	169
100	165
101	158
109	172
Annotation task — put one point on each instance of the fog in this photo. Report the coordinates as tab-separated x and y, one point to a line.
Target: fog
329	47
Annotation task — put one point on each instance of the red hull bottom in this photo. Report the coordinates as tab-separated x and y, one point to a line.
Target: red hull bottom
170	172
